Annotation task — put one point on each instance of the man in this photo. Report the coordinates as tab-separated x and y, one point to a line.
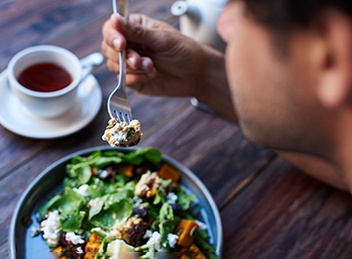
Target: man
288	80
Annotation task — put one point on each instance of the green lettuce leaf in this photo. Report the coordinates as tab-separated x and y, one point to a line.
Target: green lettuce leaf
96	208
116	211
166	225
147	154
72	221
66	203
185	200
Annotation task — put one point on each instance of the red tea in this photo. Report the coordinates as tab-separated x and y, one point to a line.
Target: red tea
45	77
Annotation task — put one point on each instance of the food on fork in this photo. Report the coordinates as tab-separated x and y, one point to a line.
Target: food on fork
122	134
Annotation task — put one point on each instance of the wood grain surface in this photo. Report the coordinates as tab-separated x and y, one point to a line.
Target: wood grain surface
268	208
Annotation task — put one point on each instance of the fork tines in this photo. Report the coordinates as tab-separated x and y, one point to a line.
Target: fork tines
122	117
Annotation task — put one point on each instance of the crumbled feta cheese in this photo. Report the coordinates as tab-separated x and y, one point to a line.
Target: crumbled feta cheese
122	134
73	238
51	228
79	250
155	241
172	239
147	234
103	174
153	245
82	190
171	198
118	136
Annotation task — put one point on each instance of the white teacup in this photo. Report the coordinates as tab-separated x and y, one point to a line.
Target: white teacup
52	103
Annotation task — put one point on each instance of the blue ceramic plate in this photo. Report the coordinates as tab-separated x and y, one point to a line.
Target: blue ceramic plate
24	246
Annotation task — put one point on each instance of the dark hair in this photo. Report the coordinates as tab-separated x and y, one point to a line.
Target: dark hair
282	15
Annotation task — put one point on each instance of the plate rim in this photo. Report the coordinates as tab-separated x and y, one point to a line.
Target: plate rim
177	164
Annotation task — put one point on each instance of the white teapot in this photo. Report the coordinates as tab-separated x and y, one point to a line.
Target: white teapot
198	19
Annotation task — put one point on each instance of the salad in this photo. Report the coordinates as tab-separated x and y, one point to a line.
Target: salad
123	205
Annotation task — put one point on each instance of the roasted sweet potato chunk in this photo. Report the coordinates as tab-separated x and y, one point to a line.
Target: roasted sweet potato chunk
168	172
185	231
92	246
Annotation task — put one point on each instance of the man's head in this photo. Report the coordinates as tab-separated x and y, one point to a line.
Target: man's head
281	17
284	14
288	65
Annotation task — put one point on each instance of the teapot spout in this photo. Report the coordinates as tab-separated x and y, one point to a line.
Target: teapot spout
179	8
182	7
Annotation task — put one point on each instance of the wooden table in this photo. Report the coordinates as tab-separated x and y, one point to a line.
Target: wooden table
268	208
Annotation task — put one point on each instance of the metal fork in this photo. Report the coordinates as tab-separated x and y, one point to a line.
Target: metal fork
118	104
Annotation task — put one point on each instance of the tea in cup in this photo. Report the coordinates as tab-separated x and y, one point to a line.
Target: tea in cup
45	79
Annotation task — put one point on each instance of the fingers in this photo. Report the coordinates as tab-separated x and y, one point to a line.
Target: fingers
134	61
141	65
137	29
115	31
114	41
138	81
135	64
140	69
112	35
134	78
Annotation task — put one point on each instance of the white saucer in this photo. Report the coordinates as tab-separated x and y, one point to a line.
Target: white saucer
15	118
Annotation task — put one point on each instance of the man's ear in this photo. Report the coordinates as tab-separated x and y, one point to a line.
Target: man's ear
335	82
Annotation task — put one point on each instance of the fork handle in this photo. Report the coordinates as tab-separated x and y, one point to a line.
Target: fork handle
121	7
122	72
